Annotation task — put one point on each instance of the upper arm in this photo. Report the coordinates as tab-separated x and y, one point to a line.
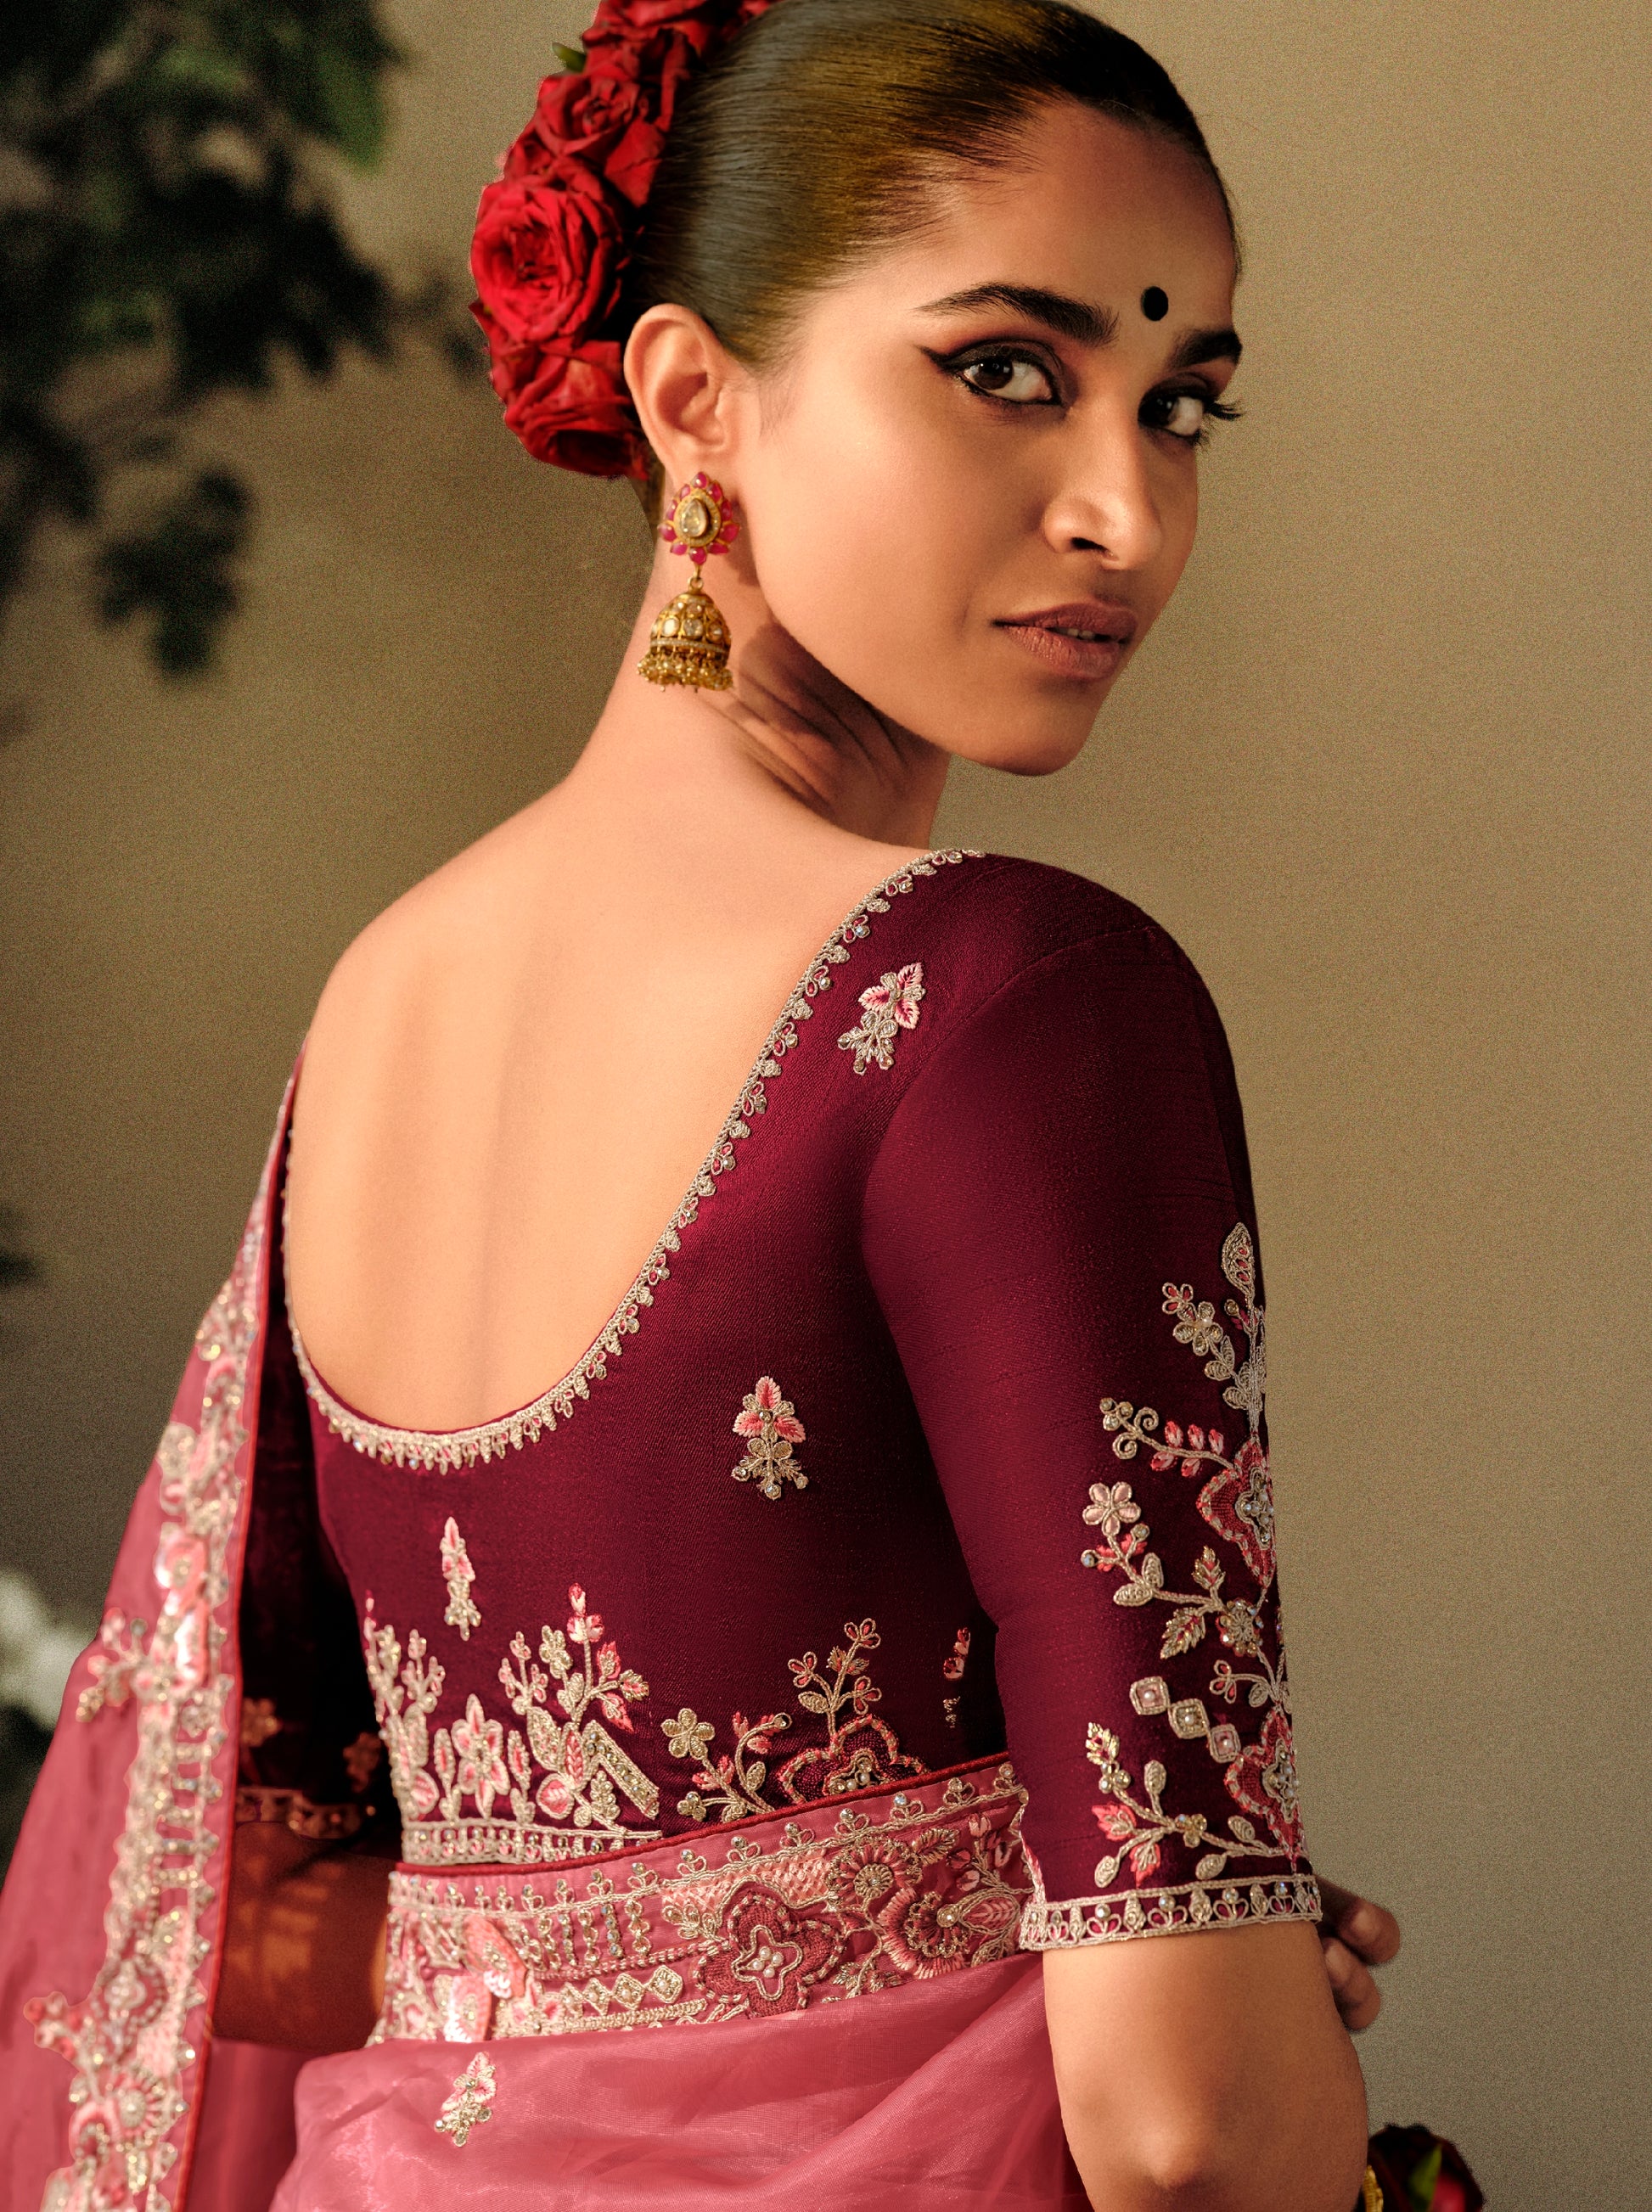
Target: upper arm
1060	1230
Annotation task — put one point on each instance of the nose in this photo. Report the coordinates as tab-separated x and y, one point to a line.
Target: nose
1108	504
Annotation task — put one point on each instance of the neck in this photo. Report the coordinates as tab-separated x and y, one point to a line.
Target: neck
787	741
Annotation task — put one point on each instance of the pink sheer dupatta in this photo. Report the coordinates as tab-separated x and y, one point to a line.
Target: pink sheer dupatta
930	2098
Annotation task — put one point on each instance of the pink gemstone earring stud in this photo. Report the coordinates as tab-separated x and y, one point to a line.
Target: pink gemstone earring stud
689	641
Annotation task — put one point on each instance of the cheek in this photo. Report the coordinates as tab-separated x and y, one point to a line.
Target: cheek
868	538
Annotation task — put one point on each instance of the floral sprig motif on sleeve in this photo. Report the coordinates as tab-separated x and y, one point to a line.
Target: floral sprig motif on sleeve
1235	1501
890	1006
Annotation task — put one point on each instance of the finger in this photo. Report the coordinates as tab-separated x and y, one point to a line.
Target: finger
1367	1928
1357	1998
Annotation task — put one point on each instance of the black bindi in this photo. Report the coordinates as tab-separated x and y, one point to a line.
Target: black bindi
1155	304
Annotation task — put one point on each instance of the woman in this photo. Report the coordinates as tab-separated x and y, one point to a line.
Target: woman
872	1639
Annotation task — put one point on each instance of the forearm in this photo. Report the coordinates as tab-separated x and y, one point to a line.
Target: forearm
1206	2073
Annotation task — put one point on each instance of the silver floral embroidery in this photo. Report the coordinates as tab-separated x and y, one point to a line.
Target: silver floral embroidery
582	1767
771	1428
1235	1502
471	2102
462	1612
890	1006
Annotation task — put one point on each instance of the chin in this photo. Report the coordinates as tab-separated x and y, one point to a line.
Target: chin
1032	744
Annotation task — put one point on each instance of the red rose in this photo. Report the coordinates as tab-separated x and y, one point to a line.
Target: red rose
607	122
547	257
572	409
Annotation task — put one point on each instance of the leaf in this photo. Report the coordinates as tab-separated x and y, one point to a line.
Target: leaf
1116	1821
1259	1694
1144	1861
571	57
350	104
544	1736
179	569
812	1701
1239	1826
1186	1628
1208	1573
1210	1867
1137	1593
1155	1777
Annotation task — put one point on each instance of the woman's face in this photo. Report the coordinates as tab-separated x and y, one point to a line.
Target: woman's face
975	481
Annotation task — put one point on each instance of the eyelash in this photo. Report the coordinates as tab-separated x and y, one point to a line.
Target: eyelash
957	365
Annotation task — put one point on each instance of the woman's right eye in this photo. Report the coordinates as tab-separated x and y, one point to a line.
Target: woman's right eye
1012	376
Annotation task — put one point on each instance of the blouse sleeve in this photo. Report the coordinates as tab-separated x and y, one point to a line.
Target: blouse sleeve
1059	1227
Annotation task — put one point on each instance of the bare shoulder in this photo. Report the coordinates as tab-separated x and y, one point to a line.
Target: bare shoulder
412	958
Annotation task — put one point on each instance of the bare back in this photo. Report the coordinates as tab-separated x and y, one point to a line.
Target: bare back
513	1075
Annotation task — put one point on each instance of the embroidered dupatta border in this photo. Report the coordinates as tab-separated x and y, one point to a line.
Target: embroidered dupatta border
133	2041
834	1899
446	1450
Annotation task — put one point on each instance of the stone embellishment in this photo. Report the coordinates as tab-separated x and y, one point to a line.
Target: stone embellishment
471	2102
890	1006
462	1612
451	1448
767	1422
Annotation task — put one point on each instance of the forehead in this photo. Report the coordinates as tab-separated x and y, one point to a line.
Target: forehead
1085	205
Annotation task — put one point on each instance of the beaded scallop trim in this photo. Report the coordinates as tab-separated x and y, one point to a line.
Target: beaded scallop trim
451	1449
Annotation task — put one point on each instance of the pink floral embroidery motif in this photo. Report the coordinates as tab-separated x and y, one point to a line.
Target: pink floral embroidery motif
475	1767
463	1613
770	1957
890	1005
860	1751
768	1421
1237	1502
581	1770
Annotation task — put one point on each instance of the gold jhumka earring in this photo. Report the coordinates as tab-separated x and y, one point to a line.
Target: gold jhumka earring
689	642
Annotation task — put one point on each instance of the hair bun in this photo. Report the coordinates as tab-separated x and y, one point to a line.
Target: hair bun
556	234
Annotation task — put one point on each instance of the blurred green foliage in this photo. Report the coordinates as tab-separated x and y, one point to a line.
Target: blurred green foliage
168	233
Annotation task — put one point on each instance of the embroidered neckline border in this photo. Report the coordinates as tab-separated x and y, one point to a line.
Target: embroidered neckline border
447	1451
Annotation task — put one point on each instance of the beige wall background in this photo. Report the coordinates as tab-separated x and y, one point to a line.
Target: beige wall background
1384	771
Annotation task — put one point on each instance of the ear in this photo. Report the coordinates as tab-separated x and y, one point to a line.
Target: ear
688	392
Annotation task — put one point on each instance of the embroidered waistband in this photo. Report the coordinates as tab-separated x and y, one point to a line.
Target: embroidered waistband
834	1901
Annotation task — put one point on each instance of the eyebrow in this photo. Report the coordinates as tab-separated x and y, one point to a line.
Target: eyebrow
1079	320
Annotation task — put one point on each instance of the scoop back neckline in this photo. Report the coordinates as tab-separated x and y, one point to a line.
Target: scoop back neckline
449	1449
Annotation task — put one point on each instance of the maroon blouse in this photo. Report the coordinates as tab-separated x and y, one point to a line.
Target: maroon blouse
931	1428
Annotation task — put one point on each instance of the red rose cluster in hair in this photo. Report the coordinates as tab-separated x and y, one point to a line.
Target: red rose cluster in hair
555	235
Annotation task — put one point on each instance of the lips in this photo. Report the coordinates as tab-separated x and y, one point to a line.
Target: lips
1085	638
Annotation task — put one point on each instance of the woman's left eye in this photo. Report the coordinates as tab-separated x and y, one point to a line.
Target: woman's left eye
1183	414
1012	376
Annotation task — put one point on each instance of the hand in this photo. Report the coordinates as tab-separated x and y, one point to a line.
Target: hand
1356	1935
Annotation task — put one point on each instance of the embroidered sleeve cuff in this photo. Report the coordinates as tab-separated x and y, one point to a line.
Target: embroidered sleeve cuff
1126	1913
